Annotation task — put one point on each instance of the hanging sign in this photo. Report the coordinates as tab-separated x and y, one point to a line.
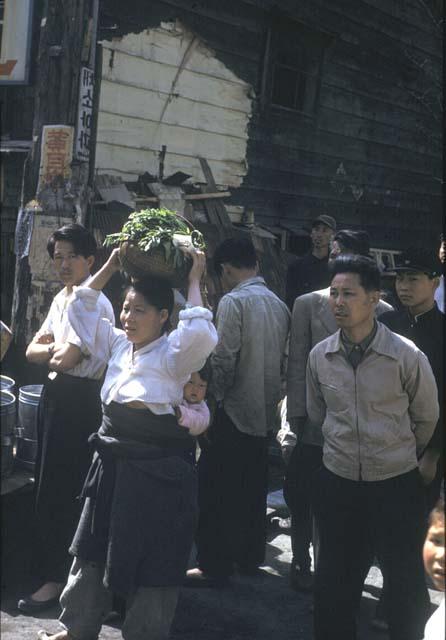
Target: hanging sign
56	153
84	114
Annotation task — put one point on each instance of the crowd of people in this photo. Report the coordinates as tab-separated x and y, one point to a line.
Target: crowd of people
359	385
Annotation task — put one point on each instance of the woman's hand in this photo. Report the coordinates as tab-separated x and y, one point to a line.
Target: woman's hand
198	265
101	277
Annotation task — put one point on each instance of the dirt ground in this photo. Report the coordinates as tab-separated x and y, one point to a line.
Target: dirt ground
263	607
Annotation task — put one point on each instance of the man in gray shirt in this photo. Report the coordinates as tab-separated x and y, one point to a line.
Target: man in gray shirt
252	324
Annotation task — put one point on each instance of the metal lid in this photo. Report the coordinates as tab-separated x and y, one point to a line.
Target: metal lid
31	392
6	382
7	398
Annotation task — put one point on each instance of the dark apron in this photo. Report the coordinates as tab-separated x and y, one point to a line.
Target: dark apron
69	412
140	509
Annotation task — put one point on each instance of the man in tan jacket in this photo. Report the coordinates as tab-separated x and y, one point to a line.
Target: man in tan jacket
373	394
312	321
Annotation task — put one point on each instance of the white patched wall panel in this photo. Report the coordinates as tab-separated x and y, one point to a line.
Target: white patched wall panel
126	100
165	87
140	134
133	162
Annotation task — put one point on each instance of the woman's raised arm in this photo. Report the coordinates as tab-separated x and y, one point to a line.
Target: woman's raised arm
101	277
196	273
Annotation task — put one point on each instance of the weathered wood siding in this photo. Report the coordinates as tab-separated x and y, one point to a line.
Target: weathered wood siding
163	86
371	153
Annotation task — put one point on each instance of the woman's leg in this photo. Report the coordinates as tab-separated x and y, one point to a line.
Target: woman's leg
150	613
84	601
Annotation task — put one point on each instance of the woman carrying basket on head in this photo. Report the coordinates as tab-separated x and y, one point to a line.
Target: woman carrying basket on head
139	514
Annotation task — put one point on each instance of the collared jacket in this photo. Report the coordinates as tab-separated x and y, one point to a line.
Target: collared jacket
376	419
252	325
311	322
427	332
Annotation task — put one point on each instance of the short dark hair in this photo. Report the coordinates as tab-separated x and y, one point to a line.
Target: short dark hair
205	372
358	242
238	252
437	513
156	292
366	268
82	240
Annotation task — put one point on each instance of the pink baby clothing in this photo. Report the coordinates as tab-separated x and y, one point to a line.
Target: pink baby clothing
195	417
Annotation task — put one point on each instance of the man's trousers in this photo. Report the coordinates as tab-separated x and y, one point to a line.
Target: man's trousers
232	489
305	460
356	520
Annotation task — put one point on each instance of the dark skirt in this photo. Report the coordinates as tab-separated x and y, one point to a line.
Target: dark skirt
69	412
140	510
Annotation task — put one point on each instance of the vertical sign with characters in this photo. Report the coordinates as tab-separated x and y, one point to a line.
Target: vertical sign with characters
85	114
56	154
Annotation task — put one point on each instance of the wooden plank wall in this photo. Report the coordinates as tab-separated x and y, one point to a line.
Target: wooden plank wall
163	86
371	155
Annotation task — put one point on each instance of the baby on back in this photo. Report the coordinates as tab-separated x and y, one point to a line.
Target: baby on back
193	412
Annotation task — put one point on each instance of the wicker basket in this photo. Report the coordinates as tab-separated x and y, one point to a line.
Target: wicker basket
138	263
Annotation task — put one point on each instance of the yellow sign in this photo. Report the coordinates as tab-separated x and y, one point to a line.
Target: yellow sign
56	154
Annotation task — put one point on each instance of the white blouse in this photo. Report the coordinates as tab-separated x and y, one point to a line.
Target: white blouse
58	324
155	374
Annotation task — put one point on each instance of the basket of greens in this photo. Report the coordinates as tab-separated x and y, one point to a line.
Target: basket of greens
152	242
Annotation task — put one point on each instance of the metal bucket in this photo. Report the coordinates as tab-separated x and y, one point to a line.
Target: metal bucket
7	413
8	420
29	398
7	384
7	456
26	451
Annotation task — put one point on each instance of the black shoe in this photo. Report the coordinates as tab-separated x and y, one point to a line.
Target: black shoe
249	570
29	606
284	524
379	624
300	579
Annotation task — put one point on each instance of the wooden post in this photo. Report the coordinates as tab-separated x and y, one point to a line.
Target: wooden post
67	44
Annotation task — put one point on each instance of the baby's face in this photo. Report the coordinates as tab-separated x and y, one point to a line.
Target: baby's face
433	553
195	390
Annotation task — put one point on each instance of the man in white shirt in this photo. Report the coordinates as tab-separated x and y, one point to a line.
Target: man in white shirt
69	412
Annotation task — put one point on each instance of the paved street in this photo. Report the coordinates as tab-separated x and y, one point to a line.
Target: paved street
252	608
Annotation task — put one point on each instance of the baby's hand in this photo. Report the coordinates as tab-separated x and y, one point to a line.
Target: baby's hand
44	338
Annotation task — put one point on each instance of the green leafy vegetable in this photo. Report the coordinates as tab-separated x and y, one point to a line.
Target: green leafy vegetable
152	228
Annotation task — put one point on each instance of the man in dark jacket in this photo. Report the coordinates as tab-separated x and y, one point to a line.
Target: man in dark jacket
418	276
310	272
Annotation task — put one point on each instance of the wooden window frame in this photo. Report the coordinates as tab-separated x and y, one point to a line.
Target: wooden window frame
315	42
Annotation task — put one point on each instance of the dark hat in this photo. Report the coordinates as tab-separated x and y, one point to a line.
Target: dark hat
324	219
419	259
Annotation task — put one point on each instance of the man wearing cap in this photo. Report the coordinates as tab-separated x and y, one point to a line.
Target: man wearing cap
418	273
310	272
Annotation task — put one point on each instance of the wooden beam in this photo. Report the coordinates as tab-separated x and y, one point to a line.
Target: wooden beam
207	196
216	210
